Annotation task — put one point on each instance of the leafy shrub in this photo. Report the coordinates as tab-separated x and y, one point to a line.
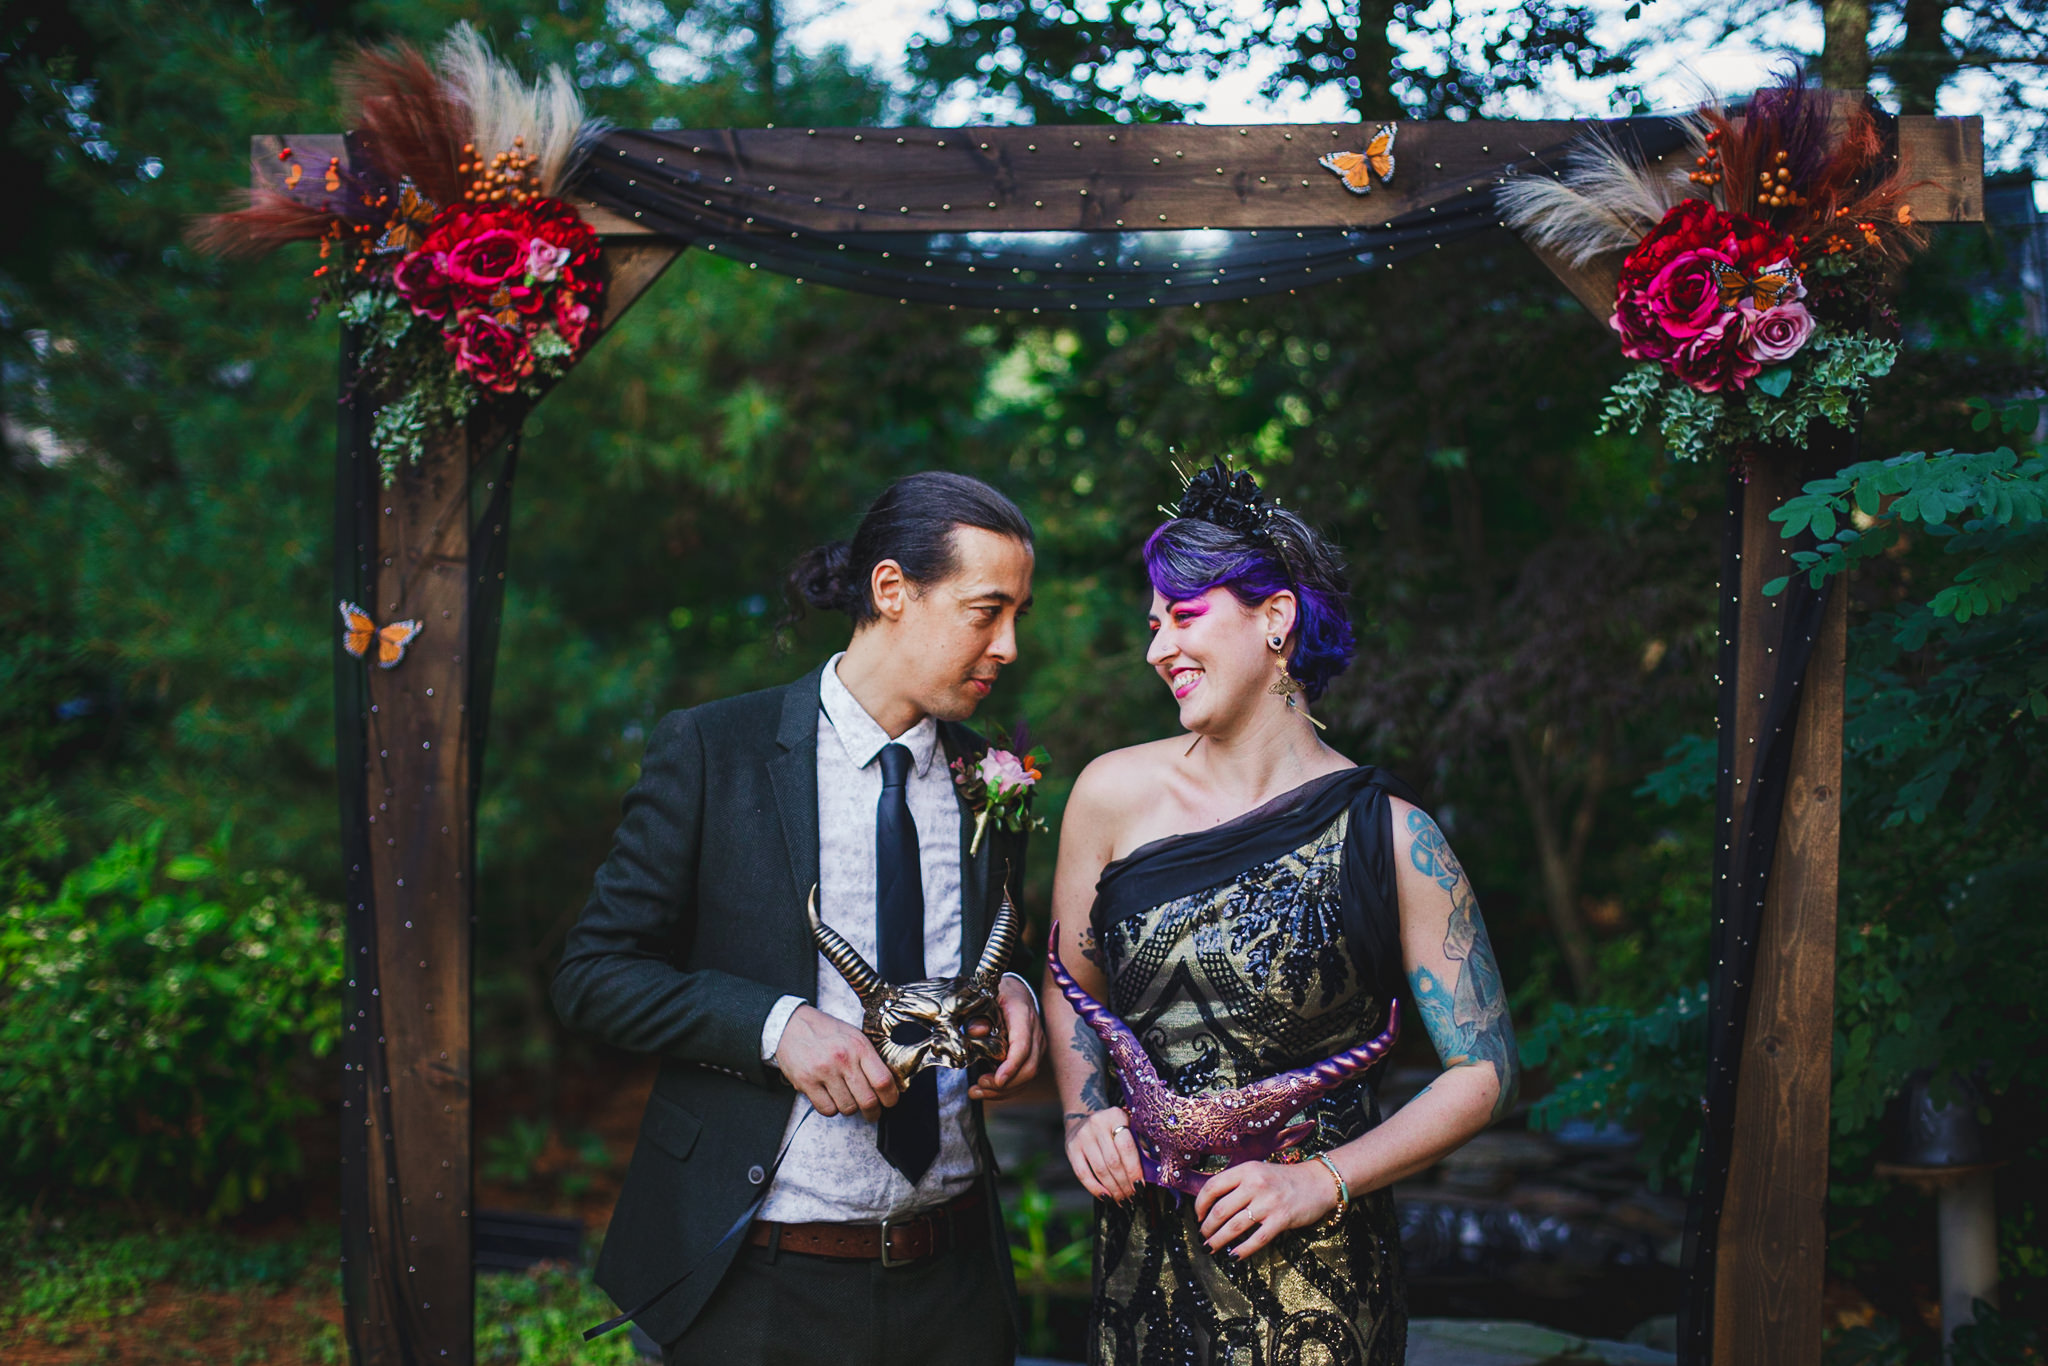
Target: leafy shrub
1639	1069
539	1316
156	1014
62	1282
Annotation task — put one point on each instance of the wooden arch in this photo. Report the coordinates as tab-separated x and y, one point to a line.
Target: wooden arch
430	544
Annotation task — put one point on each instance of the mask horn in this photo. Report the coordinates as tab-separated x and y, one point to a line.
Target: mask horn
1002	942
864	980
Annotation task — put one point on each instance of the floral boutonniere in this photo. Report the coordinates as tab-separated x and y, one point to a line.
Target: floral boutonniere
998	786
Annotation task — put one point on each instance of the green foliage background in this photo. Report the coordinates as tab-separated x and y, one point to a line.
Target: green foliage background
1534	601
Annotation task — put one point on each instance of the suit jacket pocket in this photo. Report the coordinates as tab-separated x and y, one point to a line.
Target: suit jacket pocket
669	1127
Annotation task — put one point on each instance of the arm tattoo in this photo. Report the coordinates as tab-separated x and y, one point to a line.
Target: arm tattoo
1468	1019
1089	949
1095	1080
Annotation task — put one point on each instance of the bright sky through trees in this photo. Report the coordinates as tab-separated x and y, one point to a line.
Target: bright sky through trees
1685	46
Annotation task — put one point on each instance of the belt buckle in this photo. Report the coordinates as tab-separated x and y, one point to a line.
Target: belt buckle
887	1260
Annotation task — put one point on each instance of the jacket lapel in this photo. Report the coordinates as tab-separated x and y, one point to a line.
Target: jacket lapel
793	772
975	916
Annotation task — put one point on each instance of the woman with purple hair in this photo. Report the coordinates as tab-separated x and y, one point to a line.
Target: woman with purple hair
1250	903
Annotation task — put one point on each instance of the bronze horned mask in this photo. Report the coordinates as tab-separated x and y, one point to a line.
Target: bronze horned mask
917	1025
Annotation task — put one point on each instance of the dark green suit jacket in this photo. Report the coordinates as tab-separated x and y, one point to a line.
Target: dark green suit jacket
694	929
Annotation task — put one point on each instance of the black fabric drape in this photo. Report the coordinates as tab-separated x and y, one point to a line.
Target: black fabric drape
365	1108
1742	869
652	179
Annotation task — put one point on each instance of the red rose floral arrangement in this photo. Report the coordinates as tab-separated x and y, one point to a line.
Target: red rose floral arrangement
505	286
467	280
1755	288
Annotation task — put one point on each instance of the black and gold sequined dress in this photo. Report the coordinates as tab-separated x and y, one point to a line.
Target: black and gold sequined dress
1267	943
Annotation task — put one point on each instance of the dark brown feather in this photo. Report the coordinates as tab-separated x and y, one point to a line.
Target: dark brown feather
410	122
270	221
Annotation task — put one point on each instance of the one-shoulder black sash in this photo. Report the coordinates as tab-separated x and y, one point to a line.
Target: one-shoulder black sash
1183	865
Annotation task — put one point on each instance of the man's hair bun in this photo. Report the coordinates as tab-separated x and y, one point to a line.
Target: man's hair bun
822	577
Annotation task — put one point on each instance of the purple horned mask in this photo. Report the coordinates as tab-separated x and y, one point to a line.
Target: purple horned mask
1246	1125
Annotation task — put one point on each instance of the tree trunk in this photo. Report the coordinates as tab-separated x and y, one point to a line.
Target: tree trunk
1374	60
767	41
1845	53
1560	853
1922	62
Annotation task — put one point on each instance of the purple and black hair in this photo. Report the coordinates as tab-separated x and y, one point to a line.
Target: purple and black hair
1188	556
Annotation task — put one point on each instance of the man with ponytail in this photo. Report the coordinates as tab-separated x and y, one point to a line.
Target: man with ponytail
788	1200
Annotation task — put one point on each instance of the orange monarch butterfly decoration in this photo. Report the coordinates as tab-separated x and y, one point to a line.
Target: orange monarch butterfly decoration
408	224
1356	169
1770	287
358	632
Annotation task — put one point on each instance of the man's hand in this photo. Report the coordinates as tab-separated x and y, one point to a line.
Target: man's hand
834	1065
1027	1044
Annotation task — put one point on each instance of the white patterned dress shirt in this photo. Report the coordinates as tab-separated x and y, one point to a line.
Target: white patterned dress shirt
833	1173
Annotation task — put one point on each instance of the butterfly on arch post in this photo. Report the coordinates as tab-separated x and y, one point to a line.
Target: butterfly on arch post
359	633
1356	169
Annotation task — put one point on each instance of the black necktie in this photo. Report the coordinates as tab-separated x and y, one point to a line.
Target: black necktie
908	1135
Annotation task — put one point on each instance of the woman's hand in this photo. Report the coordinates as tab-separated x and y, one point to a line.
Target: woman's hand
1264	1200
1104	1153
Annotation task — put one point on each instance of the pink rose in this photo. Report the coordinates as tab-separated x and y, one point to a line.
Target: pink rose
544	260
1775	334
495	355
1683	298
426	290
1714	360
487	260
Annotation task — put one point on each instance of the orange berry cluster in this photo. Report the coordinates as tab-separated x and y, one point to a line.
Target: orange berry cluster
1774	187
1707	167
506	178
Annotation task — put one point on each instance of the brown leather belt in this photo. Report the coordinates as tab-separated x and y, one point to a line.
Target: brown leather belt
893	1242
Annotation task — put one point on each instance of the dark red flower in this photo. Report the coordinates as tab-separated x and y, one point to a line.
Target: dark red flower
1714	358
572	319
494	355
491	258
418	278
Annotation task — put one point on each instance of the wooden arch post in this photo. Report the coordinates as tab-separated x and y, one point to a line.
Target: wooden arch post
410	1211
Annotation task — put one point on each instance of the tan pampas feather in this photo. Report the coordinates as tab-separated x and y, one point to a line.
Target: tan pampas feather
546	117
1602	202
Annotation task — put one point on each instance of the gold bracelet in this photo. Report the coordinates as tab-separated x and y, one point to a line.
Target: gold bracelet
1343	1191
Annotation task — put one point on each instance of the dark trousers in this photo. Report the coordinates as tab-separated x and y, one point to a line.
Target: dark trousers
791	1309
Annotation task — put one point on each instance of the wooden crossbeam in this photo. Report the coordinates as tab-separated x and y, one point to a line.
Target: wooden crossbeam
1156	176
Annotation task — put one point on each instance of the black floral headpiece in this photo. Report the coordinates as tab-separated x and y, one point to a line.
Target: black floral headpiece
1227	498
